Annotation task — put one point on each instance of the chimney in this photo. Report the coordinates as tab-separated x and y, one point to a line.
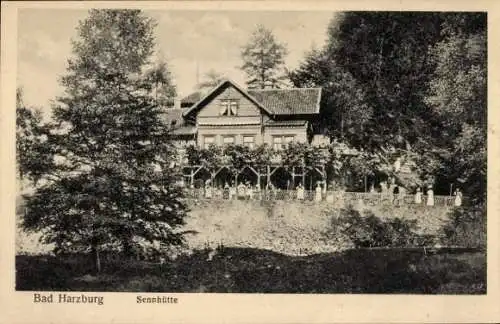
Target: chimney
177	103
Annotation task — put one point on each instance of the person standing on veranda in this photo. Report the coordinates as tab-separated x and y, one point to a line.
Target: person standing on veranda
300	192
318	196
458	198
430	196
418	196
249	191
208	190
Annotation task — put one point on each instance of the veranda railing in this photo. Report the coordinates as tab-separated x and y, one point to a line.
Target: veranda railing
310	195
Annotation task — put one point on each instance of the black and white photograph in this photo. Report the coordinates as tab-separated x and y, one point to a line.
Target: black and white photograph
297	152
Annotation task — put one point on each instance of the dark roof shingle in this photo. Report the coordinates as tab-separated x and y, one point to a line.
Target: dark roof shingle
295	122
297	101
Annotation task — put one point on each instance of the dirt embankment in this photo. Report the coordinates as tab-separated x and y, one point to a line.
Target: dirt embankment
289	227
294	228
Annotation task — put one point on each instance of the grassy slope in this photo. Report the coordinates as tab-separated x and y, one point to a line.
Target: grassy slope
285	226
252	270
262	243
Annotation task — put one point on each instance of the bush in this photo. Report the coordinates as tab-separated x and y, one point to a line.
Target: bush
466	227
368	230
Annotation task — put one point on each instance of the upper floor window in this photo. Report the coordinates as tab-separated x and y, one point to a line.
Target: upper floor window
249	141
207	141
229	107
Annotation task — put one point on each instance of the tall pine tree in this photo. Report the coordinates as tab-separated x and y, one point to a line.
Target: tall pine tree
111	185
263	60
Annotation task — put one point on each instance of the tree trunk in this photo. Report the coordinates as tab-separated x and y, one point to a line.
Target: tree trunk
97	259
342	126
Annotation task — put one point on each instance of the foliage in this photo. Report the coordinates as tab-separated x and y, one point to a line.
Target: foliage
210	157
250	270
466	227
33	155
263	59
112	184
457	94
345	111
210	80
300	154
411	81
369	230
160	78
387	56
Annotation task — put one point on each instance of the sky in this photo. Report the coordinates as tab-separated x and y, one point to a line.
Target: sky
190	41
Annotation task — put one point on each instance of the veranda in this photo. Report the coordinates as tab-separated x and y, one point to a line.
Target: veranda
266	176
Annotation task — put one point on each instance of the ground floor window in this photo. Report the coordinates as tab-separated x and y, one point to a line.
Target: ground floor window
277	142
228	140
249	141
207	141
280	141
289	139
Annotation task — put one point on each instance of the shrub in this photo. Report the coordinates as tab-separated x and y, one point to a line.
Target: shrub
466	227
368	230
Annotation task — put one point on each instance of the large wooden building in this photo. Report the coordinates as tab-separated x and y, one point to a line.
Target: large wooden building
229	114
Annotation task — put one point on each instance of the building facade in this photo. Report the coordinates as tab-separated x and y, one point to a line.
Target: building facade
230	114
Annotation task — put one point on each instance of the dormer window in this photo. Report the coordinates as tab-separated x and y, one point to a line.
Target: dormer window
229	107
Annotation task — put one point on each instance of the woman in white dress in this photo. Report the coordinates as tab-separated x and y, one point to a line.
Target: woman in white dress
458	198
300	192
249	191
232	192
318	196
418	196
430	197
208	190
257	192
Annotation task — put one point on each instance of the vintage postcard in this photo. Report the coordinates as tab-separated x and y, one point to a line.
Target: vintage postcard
236	162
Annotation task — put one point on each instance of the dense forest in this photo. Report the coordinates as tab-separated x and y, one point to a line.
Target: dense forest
409	82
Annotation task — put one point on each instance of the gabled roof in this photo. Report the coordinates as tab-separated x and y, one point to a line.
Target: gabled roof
217	88
296	101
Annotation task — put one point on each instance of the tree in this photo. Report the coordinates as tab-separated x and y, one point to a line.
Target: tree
457	93
387	55
31	146
263	60
160	78
111	185
211	79
344	109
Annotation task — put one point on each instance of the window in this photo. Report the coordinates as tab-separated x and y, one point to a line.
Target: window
228	140
207	141
277	142
280	141
229	107
249	141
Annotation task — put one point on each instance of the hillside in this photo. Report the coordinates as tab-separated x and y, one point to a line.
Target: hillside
289	227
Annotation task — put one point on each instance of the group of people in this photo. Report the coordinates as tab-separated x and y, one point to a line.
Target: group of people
244	190
247	191
430	197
